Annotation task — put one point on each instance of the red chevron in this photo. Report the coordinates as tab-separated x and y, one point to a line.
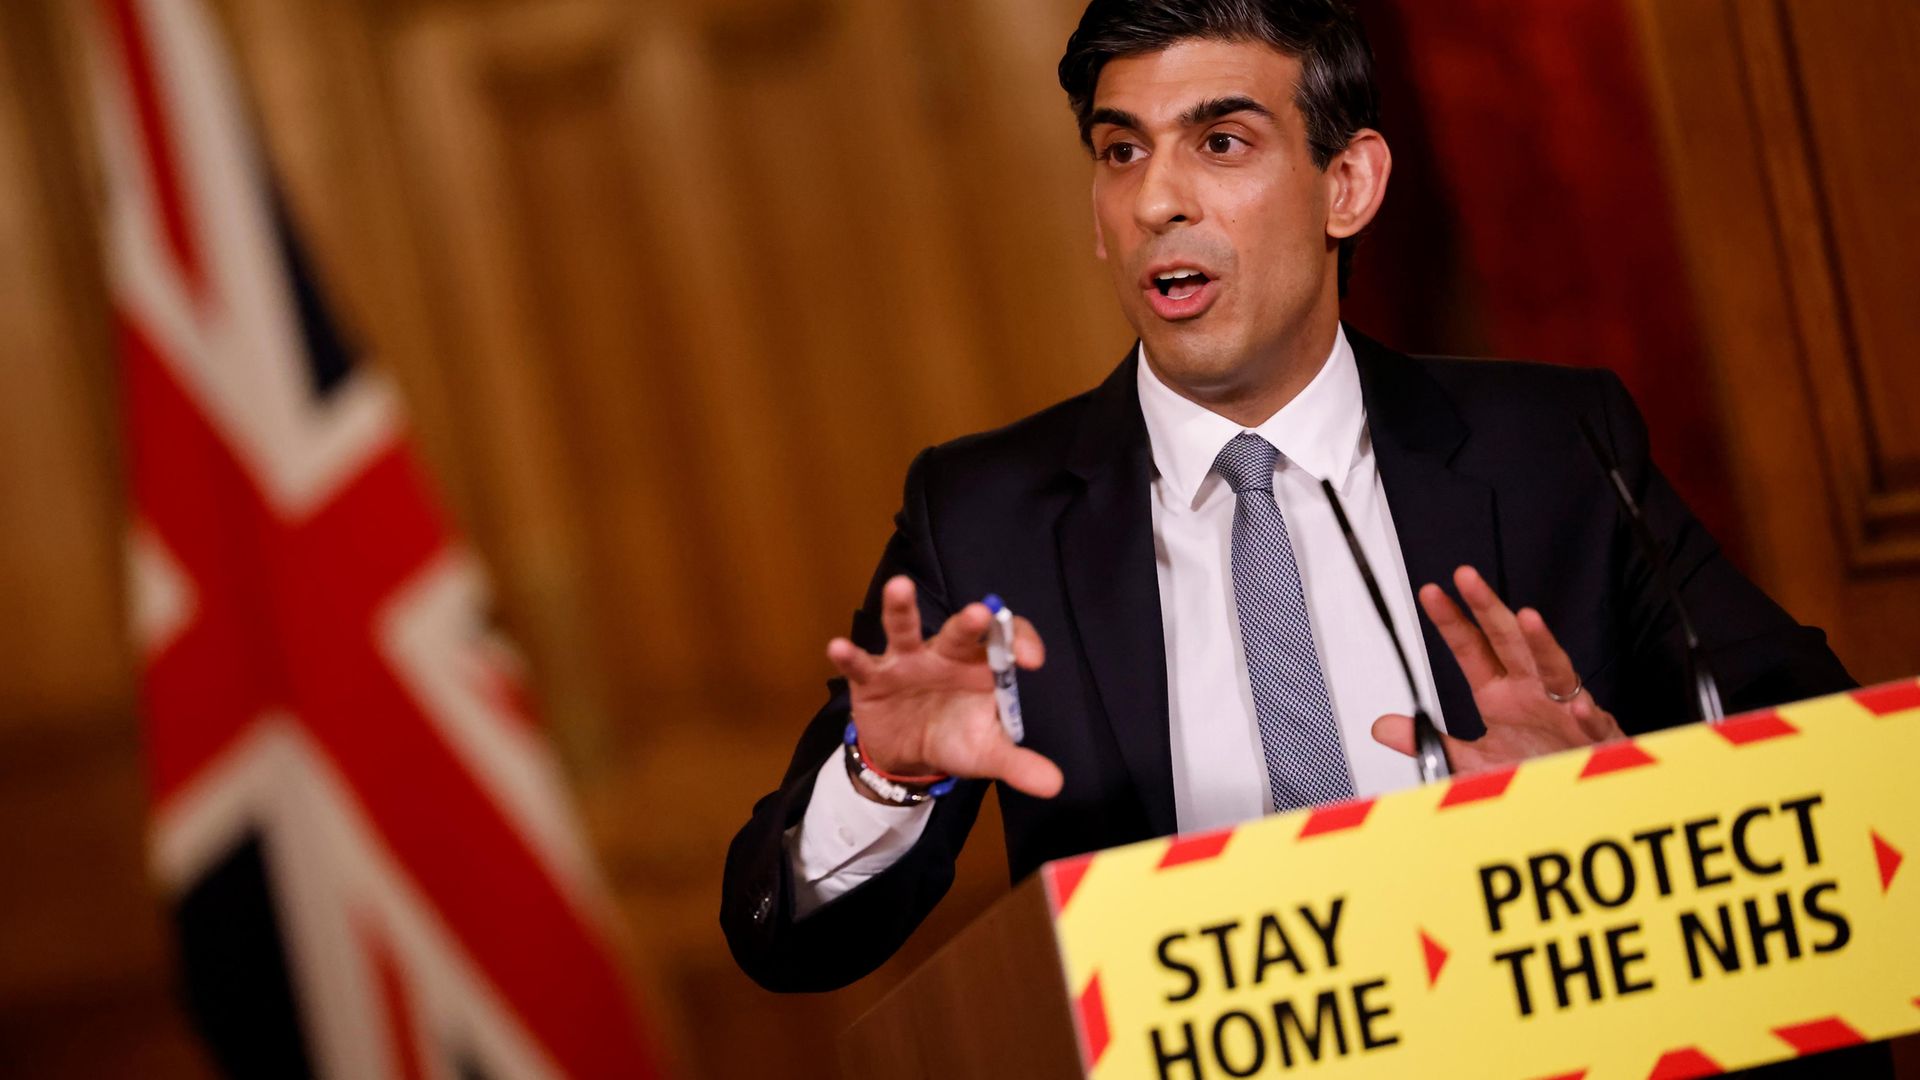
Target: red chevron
1819	1036
1435	955
1686	1063
1753	728
1091	1007
1887	858
1615	757
1890	698
1478	787
1196	848
1336	817
1063	878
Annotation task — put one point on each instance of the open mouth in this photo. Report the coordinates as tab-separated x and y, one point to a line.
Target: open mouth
1179	293
1180	284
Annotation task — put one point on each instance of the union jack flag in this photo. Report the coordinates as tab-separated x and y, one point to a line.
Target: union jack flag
371	853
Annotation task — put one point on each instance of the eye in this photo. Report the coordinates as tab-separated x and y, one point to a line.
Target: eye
1119	153
1220	142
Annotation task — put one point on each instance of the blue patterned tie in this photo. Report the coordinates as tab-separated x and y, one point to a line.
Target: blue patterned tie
1305	764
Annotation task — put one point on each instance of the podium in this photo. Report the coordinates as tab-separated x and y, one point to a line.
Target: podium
1690	902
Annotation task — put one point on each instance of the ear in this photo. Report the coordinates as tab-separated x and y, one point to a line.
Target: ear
1357	181
1099	238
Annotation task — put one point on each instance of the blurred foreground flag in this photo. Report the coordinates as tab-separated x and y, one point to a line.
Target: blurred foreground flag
374	864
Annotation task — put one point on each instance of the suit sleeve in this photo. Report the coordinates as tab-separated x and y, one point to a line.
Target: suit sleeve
1758	654
856	932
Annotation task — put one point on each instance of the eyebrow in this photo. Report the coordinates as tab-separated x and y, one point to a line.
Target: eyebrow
1116	117
1204	112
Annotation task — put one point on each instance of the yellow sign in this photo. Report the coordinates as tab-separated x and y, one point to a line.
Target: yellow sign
1690	902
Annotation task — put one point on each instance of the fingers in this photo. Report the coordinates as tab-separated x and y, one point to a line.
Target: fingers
853	661
1026	771
1028	650
900	615
1595	722
1550	661
1469	645
959	640
1496	621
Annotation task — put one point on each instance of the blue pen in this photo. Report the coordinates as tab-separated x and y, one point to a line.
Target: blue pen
1006	692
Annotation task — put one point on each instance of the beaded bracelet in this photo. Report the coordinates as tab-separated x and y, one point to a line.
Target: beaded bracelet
899	790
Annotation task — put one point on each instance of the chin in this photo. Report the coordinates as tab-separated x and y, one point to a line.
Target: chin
1195	359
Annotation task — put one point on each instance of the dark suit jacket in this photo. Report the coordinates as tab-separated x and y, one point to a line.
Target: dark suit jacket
1483	464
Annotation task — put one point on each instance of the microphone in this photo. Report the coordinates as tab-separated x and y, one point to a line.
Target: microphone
1706	706
1429	752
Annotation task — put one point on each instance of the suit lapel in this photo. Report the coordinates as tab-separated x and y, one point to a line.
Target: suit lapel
1105	538
1444	518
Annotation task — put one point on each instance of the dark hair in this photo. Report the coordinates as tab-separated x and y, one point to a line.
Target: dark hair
1336	95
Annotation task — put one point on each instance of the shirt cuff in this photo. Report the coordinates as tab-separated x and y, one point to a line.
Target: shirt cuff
845	838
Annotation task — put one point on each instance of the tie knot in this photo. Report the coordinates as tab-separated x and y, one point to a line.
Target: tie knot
1247	463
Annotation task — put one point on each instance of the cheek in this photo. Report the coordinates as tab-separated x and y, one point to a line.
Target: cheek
1109	233
1278	228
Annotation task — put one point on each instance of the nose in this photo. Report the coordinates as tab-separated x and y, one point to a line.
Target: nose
1165	199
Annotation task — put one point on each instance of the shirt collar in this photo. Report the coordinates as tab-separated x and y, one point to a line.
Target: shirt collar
1318	431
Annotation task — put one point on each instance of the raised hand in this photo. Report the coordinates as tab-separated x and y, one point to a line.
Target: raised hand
925	706
1529	695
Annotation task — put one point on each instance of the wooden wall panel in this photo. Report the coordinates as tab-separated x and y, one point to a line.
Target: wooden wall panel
1851	213
1800	218
58	557
85	972
1835	159
697	282
674	292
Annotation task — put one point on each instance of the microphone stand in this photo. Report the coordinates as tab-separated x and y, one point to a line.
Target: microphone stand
1429	752
1705	703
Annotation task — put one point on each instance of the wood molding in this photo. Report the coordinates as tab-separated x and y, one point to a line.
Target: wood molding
1875	481
1801	228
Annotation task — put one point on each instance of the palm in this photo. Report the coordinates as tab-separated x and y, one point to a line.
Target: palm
942	708
1530	725
925	706
1515	667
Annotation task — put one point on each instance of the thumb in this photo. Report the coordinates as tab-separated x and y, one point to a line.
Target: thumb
1395	732
1027	771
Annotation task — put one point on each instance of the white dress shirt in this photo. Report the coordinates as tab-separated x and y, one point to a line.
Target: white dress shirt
1219	767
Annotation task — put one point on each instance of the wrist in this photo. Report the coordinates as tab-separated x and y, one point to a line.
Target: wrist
882	786
888	753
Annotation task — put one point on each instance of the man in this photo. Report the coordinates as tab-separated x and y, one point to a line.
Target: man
1198	647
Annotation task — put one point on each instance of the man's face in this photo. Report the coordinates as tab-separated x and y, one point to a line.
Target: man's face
1209	212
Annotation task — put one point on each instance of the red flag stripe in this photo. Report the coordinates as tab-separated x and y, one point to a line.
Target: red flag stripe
156	144
397	1003
446	832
